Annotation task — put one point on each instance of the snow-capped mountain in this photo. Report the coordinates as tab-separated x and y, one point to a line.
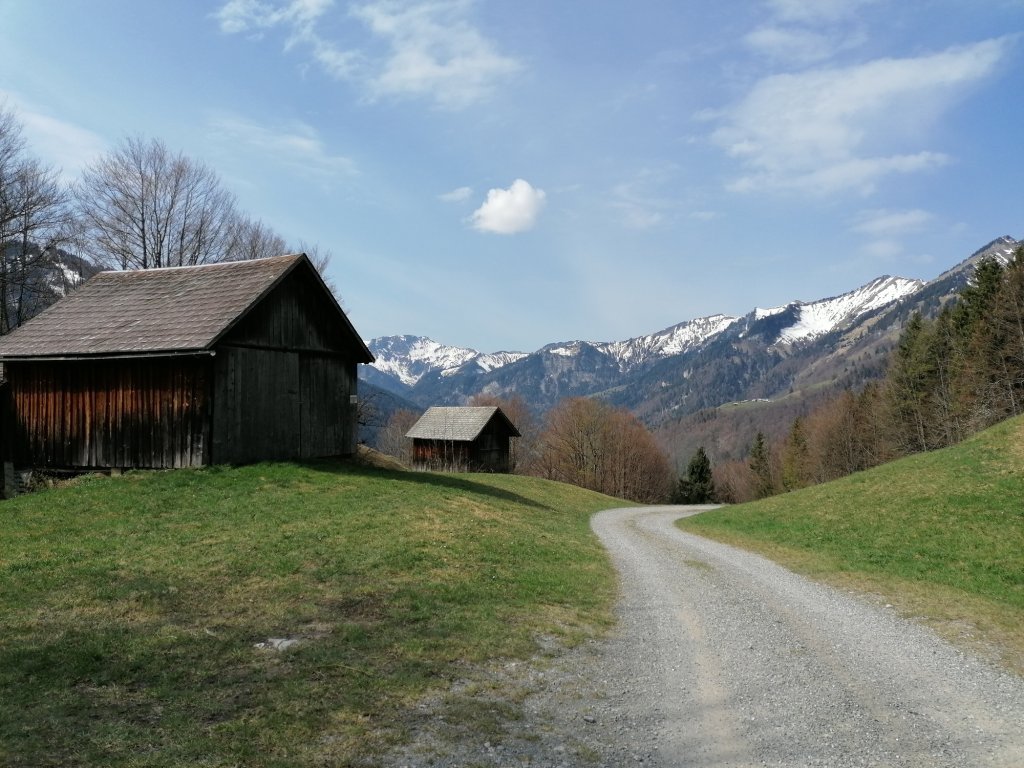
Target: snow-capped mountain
811	346
819	318
409	358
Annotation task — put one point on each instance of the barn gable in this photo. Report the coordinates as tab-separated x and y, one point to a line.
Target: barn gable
222	363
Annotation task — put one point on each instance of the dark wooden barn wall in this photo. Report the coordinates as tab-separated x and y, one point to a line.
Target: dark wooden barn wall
451	455
284	380
296	316
272	404
488	453
111	413
6	425
327	415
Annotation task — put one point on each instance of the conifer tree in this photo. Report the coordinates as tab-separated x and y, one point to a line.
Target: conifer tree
796	471
698	487
761	466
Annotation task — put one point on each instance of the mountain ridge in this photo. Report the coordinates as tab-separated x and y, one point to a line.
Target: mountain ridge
803	349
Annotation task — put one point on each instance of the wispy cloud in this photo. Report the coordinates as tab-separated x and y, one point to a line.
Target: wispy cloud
886	230
837	129
800	46
648	198
509	211
883	223
816	11
456	195
433	51
420	48
805	32
59	143
294	145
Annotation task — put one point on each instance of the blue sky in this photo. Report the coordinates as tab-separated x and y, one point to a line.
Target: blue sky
501	175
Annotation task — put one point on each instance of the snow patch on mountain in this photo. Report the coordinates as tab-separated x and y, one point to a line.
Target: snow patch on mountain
680	338
410	358
821	317
761	314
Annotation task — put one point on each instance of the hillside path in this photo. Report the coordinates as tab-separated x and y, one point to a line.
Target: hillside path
730	660
721	658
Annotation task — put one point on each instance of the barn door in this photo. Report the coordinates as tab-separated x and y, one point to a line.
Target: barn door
327	423
257	406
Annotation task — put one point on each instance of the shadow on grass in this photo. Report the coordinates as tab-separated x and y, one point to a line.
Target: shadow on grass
434	479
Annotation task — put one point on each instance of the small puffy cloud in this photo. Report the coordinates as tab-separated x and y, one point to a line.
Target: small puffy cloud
456	195
508	211
835	129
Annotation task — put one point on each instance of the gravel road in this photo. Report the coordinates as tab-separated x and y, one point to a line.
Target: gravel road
722	658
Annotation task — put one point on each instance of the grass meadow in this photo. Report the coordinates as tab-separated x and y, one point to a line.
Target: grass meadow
938	535
134	608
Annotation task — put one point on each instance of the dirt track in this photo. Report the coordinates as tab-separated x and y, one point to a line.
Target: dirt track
722	658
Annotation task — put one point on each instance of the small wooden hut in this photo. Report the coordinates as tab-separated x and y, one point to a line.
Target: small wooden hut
222	363
477	439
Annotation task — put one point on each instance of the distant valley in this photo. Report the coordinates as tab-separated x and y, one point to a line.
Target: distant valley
695	382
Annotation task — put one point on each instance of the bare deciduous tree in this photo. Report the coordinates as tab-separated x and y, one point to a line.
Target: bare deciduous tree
144	207
34	221
593	445
392	440
252	239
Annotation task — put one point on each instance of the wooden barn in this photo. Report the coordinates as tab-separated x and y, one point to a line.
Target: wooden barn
477	439
182	367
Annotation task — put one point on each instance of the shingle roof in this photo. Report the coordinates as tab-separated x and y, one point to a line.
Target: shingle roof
179	309
456	423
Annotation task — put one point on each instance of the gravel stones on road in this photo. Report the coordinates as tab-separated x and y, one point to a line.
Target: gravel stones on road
722	658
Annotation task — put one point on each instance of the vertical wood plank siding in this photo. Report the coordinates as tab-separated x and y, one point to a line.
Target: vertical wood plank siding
278	387
256	416
6	425
284	380
111	413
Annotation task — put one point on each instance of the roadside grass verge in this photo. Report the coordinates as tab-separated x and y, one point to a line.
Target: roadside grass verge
132	608
938	535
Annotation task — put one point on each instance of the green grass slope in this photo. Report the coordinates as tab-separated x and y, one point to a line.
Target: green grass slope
939	535
132	608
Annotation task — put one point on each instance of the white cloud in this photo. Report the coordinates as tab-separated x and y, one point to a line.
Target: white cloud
881	223
434	51
64	145
456	195
430	48
294	145
816	11
238	16
843	128
801	46
508	211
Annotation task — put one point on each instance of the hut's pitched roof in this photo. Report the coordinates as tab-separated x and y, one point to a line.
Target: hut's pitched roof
457	423
173	310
